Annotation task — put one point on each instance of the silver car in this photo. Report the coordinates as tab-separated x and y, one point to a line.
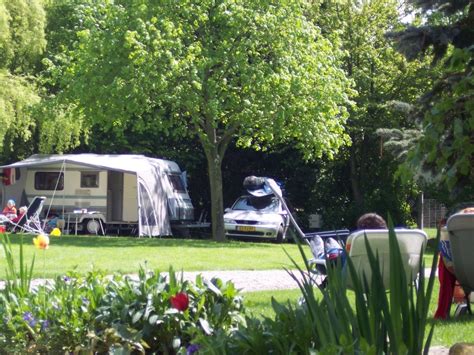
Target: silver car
261	217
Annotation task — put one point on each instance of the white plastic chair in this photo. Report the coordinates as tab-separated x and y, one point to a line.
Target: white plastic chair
411	243
461	236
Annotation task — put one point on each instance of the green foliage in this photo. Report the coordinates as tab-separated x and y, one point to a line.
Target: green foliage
52	317
17	278
140	312
17	95
376	322
58	135
444	154
257	72
361	179
237	65
95	313
22	42
22	38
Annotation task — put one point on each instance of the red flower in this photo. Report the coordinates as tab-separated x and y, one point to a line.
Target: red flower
180	301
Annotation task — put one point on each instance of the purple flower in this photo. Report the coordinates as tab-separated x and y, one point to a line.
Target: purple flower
85	301
66	279
44	324
28	317
192	348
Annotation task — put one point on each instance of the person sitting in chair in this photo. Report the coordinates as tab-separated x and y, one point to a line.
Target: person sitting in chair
21	213
10	209
447	278
371	221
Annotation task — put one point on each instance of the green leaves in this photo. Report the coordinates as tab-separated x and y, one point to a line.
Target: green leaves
18	278
258	73
22	39
444	156
97	313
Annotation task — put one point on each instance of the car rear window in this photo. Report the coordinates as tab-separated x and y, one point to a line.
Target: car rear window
263	204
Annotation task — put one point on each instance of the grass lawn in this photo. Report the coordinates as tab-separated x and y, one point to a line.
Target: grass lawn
446	333
125	255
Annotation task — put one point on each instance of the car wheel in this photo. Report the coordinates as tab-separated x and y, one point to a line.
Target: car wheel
280	234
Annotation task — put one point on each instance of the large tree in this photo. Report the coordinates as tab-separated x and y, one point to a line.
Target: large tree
22	41
362	177
256	71
442	155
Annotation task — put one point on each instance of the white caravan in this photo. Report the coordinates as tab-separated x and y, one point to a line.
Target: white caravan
115	191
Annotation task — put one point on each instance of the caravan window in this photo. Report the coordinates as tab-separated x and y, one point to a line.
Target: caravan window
89	179
48	180
176	182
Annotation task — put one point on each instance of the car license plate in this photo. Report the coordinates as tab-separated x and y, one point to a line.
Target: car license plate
246	228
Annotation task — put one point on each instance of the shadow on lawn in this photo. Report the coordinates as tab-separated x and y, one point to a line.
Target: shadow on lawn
130	242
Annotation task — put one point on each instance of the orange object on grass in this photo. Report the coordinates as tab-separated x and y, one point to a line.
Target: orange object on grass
41	241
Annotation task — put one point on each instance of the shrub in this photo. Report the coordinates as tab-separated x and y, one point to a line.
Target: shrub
99	314
53	317
154	315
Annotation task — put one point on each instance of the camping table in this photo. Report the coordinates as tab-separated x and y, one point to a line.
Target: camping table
75	217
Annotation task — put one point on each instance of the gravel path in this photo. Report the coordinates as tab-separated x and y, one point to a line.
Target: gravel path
244	280
250	280
256	280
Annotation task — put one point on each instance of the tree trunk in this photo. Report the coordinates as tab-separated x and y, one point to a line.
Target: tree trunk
214	162
355	185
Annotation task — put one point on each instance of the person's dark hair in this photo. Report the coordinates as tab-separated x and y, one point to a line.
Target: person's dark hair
371	221
458	207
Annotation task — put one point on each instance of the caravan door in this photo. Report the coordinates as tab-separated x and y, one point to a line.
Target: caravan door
130	202
122	204
114	196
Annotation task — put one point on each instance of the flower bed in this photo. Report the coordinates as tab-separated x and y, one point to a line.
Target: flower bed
95	313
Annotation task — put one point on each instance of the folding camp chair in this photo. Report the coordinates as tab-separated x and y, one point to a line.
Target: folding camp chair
318	243
30	222
411	242
461	236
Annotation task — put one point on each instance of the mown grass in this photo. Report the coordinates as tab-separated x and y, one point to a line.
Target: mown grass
446	333
126	255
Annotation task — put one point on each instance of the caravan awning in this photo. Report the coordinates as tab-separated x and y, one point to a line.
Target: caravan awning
152	191
119	162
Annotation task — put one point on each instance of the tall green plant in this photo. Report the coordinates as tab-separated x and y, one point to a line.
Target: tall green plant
18	280
328	321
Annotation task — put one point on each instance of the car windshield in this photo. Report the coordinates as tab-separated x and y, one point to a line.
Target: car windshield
262	204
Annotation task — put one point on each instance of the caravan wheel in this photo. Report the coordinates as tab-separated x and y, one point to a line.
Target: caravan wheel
92	226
